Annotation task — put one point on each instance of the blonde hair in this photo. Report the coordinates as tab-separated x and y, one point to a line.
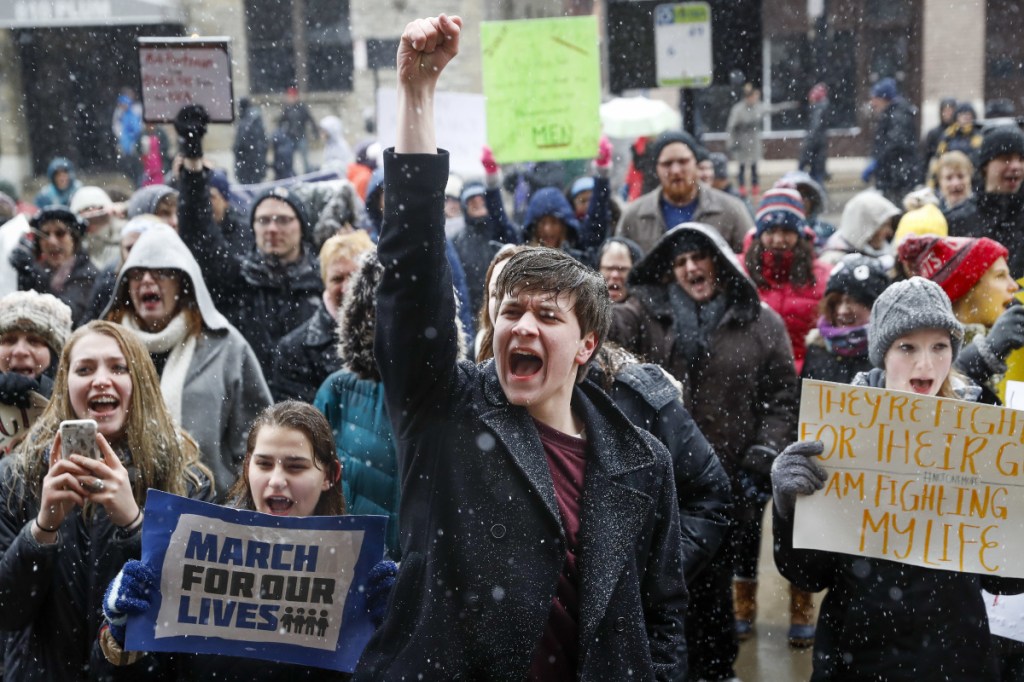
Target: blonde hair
956	160
350	245
164	456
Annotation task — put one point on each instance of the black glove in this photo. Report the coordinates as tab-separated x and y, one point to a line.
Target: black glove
23	256
14	389
758	458
796	473
1007	334
191	123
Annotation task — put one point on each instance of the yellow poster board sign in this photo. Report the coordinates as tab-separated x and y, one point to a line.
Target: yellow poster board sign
931	482
542	81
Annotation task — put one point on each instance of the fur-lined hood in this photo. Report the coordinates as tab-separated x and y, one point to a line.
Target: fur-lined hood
357	319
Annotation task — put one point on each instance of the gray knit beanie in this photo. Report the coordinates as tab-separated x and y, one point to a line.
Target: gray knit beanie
35	313
905	307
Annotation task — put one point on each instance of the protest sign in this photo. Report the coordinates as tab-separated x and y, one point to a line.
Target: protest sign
16	421
1005	615
460	120
240	583
179	71
928	481
543	86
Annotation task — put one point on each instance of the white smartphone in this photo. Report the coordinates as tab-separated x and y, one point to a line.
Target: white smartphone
78	436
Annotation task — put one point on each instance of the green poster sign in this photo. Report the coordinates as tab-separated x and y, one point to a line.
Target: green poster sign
542	81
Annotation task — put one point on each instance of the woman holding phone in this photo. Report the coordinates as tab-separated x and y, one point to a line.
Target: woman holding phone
68	522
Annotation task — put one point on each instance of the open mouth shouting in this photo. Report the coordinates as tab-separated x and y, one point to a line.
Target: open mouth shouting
922	386
102	407
524	363
279	505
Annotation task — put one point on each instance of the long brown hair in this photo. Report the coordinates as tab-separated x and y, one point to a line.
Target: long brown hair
307	420
164	456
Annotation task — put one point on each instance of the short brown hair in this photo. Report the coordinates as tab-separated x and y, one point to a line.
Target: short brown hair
307	420
551	271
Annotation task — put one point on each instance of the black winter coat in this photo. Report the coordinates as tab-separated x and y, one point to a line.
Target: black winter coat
650	401
77	290
481	535
305	357
250	148
895	149
822	364
51	596
261	296
996	216
745	391
884	621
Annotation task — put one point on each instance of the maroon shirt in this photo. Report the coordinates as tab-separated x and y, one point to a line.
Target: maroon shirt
555	657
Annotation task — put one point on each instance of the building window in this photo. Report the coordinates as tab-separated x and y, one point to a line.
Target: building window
306	43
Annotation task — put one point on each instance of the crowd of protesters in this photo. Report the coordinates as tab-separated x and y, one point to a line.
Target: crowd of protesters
594	402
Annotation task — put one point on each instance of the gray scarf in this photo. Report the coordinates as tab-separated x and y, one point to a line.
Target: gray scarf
694	323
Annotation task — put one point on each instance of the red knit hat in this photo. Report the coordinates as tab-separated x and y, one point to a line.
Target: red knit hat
954	263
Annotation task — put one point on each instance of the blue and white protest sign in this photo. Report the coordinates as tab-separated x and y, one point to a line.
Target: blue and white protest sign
240	583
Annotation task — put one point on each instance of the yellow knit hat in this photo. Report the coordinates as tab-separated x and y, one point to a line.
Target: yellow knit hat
925	220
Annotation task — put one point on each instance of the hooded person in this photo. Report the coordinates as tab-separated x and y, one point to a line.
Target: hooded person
694	311
103	286
337	151
976	278
54	262
62	186
102	232
209	376
158	200
996	209
880	619
33	329
866	226
837	347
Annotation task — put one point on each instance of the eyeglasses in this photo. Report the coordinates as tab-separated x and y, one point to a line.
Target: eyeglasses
138	274
279	220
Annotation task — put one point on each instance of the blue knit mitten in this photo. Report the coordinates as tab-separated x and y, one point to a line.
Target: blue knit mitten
128	594
378	589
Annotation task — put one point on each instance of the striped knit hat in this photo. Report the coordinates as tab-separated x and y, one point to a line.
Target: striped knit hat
781	207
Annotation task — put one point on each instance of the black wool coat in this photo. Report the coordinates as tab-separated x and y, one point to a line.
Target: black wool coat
481	535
